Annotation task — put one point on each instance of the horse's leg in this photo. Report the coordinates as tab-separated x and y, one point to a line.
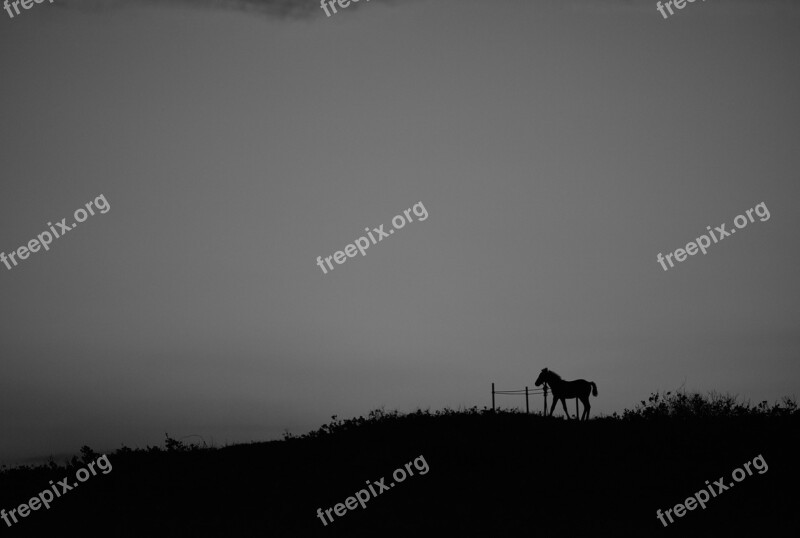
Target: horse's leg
553	407
586	408
564	403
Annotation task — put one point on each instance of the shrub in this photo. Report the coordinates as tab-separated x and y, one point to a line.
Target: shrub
683	405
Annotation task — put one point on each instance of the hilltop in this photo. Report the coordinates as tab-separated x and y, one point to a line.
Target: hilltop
490	473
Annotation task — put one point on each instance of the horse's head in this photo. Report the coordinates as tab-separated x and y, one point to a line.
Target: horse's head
542	377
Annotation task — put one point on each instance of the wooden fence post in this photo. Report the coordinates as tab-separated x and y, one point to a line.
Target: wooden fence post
526	401
545	399
492	396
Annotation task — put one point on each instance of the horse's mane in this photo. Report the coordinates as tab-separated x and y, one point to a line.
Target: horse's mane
555	375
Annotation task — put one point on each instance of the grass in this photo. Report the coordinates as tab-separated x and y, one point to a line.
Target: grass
491	472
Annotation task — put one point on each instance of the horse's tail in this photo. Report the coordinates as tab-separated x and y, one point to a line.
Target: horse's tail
594	388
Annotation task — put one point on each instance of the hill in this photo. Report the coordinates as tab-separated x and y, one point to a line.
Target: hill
471	472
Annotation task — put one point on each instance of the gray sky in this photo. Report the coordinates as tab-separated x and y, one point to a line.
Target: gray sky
557	146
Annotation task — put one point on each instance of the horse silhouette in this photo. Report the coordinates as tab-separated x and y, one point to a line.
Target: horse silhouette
580	388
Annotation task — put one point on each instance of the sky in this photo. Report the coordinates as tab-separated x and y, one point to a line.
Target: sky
557	146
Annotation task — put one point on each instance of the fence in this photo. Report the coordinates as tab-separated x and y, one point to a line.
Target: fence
526	392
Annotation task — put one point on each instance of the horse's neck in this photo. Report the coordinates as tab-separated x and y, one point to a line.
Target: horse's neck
555	384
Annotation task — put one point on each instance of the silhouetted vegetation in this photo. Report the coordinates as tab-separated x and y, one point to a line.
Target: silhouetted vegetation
683	405
490	472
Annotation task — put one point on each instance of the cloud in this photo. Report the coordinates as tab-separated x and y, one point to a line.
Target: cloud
311	8
277	8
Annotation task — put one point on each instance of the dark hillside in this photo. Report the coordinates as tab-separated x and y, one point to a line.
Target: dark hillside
489	474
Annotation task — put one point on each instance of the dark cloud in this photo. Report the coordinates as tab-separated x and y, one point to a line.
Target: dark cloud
305	8
278	8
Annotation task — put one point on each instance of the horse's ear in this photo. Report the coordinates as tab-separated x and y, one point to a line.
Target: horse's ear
544	369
